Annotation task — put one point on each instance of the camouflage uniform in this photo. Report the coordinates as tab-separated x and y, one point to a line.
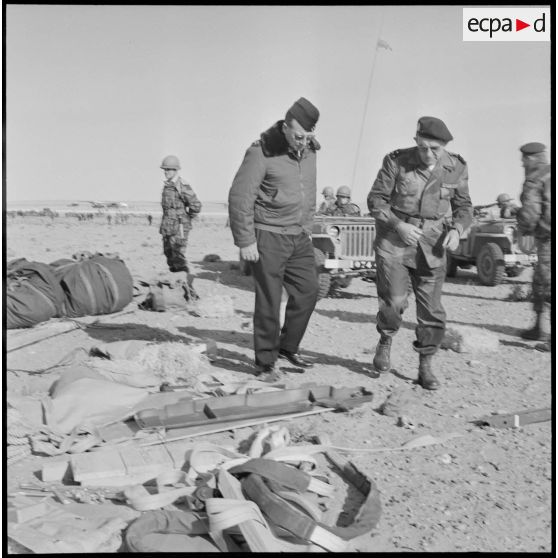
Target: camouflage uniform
436	200
180	204
347	210
327	204
535	217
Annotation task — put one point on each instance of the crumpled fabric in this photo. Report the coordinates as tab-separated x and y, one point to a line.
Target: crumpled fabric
89	402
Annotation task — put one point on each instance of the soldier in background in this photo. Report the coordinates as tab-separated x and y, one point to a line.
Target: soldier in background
343	205
149	219
411	200
535	218
506	205
329	200
180	205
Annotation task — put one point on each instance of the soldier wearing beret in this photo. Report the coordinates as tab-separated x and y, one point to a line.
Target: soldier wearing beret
420	200
535	218
272	201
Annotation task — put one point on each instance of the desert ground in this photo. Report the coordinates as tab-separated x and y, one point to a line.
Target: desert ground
489	490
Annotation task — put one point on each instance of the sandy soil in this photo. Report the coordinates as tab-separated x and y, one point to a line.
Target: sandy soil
488	490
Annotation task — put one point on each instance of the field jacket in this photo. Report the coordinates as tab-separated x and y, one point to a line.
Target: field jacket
180	204
273	188
535	215
405	190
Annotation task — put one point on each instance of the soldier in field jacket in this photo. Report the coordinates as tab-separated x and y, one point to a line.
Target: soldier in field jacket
420	200
271	206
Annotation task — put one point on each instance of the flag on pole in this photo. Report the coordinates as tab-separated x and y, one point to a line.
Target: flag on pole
383	44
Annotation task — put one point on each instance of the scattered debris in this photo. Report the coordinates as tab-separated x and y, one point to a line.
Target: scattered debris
520	293
517	419
214	306
397	402
211	258
466	339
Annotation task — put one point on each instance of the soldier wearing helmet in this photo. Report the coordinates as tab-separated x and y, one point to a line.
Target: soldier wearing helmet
180	205
343	205
507	207
535	218
329	200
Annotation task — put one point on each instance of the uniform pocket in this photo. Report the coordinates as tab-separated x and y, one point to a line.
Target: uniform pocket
447	191
406	187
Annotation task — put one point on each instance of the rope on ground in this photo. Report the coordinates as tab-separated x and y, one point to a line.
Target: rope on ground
77	325
70	358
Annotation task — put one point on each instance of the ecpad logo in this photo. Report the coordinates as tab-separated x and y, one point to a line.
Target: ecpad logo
506	24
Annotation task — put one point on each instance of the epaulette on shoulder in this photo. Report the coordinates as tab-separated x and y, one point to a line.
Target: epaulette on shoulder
398	152
256	143
458	157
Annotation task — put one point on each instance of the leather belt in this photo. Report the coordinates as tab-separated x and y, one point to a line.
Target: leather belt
417	221
290	229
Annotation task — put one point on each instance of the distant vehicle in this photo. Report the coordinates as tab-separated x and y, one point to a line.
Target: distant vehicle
496	247
107	204
343	249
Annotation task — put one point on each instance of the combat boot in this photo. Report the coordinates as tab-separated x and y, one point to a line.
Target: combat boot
383	351
425	376
536	333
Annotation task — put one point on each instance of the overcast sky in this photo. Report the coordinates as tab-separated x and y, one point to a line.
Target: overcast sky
96	96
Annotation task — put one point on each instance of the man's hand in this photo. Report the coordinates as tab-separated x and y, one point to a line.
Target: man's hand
409	234
451	242
250	253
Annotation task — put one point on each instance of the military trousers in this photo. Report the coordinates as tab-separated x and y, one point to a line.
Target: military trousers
174	248
394	281
285	261
542	277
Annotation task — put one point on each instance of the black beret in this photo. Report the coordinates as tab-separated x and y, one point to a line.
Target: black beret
532	148
433	128
305	113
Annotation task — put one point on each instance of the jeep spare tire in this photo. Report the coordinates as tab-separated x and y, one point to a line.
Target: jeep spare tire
324	278
491	267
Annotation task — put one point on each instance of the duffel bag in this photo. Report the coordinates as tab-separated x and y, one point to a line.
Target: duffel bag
33	294
95	285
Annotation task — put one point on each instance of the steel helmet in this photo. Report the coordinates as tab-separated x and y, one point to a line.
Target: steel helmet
343	191
170	162
503	198
327	191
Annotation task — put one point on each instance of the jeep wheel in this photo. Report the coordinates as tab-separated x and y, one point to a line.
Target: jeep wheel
491	267
451	265
324	278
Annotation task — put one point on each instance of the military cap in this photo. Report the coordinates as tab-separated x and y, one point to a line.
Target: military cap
305	113
433	128
532	148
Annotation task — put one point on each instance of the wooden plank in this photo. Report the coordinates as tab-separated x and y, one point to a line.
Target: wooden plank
516	419
140	460
97	464
183	433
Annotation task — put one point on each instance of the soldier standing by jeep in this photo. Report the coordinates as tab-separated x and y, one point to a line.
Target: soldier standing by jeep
535	218
180	204
271	206
420	200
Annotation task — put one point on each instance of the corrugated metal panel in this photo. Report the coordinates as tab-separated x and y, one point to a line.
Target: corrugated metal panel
357	241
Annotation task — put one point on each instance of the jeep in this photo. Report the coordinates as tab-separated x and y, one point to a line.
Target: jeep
496	247
343	249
